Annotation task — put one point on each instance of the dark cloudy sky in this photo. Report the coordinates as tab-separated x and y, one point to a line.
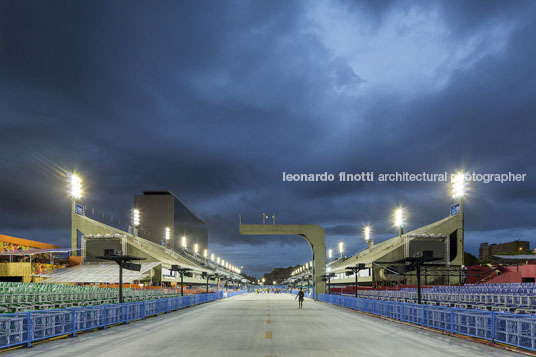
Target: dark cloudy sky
215	99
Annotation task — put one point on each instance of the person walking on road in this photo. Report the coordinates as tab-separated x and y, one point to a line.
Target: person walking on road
300	298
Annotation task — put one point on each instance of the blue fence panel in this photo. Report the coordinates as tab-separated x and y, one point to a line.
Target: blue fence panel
150	308
13	329
173	304
516	330
475	323
116	313
413	313
50	323
135	311
438	317
87	318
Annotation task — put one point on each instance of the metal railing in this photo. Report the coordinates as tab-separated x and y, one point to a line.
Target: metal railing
511	329
27	327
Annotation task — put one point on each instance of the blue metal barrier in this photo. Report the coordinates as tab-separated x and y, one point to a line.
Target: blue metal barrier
511	329
27	327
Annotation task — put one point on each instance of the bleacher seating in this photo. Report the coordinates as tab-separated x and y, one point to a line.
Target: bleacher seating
515	297
18	297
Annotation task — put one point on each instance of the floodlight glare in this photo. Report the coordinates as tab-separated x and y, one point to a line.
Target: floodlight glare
167	234
75	186
218	260
196	248
399	217
183	241
330	253
274	282
366	233
135	217
212	256
458	185
205	253
341	247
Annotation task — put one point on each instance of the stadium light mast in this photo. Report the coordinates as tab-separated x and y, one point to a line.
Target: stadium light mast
183	242
330	253
196	248
341	248
75	192
399	220
459	189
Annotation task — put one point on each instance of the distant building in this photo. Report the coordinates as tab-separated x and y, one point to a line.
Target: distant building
160	210
487	250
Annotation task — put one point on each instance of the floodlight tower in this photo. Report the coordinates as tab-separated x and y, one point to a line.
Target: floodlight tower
75	191
458	192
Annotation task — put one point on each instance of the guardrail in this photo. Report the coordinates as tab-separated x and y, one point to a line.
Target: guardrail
26	327
511	329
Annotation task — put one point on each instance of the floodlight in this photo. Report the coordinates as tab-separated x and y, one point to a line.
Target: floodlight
341	247
330	253
399	217
458	185
366	233
183	242
135	217
218	260
75	186
205	253
196	248
167	233
274	282
212	256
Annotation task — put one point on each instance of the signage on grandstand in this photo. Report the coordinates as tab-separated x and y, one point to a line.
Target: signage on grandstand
79	209
455	209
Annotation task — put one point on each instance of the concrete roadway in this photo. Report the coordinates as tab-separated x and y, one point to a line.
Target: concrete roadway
262	325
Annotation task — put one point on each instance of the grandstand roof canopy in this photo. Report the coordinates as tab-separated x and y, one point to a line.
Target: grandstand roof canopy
516	257
97	273
36	251
26	242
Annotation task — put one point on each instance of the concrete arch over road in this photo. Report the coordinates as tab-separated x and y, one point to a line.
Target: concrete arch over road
312	233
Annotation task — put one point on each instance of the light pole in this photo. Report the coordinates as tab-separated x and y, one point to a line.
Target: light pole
124	262
355	271
182	272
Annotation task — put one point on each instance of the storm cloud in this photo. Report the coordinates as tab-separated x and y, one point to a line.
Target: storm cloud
214	100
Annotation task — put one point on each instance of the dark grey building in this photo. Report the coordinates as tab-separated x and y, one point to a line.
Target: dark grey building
160	210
